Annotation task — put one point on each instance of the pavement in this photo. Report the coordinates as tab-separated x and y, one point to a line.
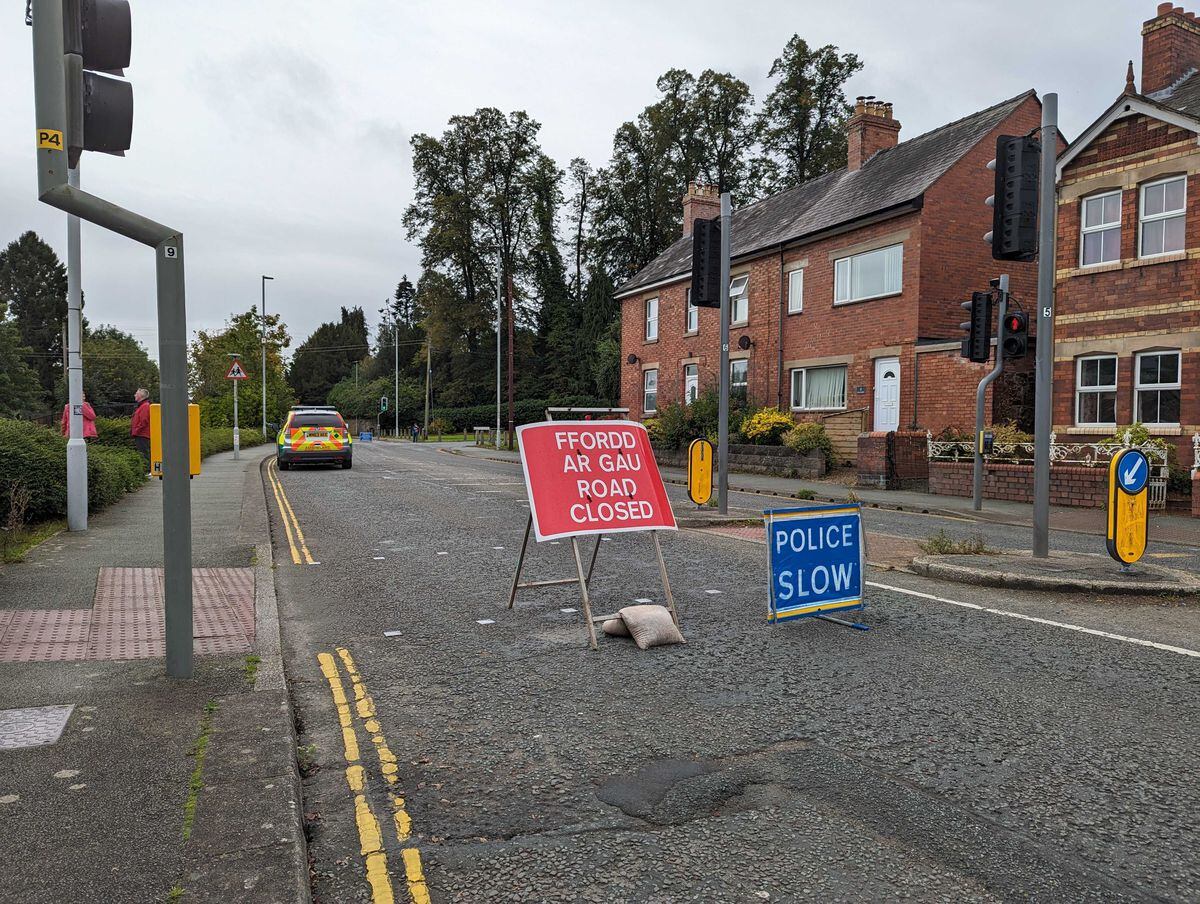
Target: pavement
974	745
146	788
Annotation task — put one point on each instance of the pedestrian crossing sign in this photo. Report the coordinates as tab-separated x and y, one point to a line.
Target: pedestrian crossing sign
237	372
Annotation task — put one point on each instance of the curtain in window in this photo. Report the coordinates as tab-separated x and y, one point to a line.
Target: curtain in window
826	387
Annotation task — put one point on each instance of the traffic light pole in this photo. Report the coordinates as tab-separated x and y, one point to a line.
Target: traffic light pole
50	102
981	393
723	380
77	485
1043	417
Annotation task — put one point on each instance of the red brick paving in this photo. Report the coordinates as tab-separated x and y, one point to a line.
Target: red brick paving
126	620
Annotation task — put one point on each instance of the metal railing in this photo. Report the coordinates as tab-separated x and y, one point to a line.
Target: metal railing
1086	455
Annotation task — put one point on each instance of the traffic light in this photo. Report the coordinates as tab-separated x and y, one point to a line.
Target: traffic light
97	38
1016	335
977	345
383	403
706	263
1014	203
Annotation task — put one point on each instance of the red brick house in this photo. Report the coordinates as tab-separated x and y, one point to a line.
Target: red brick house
1127	323
846	290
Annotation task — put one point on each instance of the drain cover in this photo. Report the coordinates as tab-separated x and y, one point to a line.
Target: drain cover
32	727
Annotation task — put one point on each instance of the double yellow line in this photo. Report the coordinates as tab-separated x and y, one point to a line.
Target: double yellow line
291	524
370	835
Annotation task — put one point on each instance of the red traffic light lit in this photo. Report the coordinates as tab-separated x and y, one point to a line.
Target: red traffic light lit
1015	323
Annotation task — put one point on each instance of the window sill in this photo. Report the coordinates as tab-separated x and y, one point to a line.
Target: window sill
650	342
819	410
691	333
842	304
1104	267
794	313
1151	259
1087	429
1164	429
738	323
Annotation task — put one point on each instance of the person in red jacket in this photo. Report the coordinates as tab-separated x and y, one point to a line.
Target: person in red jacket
89	420
139	426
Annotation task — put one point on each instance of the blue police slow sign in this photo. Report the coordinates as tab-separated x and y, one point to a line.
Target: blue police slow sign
816	560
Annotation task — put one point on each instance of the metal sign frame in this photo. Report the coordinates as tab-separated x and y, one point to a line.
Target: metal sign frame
584	579
817	610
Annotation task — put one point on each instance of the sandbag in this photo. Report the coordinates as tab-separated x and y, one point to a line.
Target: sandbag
650	626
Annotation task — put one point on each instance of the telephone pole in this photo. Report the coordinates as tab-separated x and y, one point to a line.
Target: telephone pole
512	426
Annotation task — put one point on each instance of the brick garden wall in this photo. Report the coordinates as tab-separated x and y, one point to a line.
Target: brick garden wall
911	461
1069	485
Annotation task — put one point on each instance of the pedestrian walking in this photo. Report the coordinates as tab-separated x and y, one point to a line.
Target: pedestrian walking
139	425
89	420
416	431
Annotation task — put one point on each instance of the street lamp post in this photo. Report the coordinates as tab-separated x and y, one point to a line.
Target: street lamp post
263	388
237	436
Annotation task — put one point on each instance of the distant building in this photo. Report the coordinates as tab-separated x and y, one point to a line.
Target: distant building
846	290
1127	323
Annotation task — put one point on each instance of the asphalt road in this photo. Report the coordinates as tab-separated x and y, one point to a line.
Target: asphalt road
947	754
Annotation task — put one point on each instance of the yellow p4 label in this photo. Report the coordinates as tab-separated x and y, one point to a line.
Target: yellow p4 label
50	139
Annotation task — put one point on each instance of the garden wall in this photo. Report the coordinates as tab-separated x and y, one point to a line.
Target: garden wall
1070	485
748	459
907	467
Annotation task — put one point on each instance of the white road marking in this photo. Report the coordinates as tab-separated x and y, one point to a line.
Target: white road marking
484	621
443	553
391	633
568	610
377	558
497	547
643	600
1041	621
714	592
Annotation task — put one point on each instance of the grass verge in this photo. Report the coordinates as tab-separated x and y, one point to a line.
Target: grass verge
16	544
942	544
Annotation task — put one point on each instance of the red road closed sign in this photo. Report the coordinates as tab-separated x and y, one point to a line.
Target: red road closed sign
592	477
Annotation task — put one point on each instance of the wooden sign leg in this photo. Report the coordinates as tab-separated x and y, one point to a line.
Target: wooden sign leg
595	552
512	595
662	570
583	589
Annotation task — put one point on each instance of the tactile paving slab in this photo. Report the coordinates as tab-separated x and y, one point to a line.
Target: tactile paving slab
127	620
32	727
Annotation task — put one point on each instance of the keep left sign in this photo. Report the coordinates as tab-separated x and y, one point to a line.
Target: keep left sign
592	477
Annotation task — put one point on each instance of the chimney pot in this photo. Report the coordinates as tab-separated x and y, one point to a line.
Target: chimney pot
1164	8
702	202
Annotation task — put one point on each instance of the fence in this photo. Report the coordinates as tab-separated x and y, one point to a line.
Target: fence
1088	455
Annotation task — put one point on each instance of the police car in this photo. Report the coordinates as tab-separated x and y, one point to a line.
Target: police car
314	434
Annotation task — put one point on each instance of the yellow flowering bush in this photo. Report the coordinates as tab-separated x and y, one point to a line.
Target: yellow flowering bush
766	426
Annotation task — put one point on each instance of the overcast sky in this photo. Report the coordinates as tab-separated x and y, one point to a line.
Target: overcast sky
275	134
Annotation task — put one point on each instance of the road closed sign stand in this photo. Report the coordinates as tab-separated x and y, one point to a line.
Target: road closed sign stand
591	478
816	556
1128	506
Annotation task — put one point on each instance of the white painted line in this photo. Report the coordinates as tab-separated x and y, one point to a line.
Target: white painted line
443	553
643	600
555	542
377	558
391	633
497	547
484	621
314	563
1042	621
714	592
568	610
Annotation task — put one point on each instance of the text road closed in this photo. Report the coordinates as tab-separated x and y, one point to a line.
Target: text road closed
592	477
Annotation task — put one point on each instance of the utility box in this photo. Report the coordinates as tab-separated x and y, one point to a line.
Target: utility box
156	444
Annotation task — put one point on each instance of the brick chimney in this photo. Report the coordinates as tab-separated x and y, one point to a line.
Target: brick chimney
1170	47
870	130
702	202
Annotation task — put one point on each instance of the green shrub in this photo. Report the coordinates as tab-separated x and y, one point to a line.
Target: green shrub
525	411
114	431
804	438
766	426
112	473
220	439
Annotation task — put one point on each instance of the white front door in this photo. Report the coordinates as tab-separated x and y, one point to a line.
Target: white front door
887	394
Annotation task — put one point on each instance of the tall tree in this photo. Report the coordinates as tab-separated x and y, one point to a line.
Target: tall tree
802	124
33	290
208	362
723	117
328	356
400	319
20	392
583	181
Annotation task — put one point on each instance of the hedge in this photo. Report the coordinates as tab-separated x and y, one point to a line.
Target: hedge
36	456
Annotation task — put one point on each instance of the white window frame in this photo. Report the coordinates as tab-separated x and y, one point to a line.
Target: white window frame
803	373
1085	230
849	260
1081	390
651	320
742	282
795	297
1139	387
691	315
646	408
732	364
691	382
1143	219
